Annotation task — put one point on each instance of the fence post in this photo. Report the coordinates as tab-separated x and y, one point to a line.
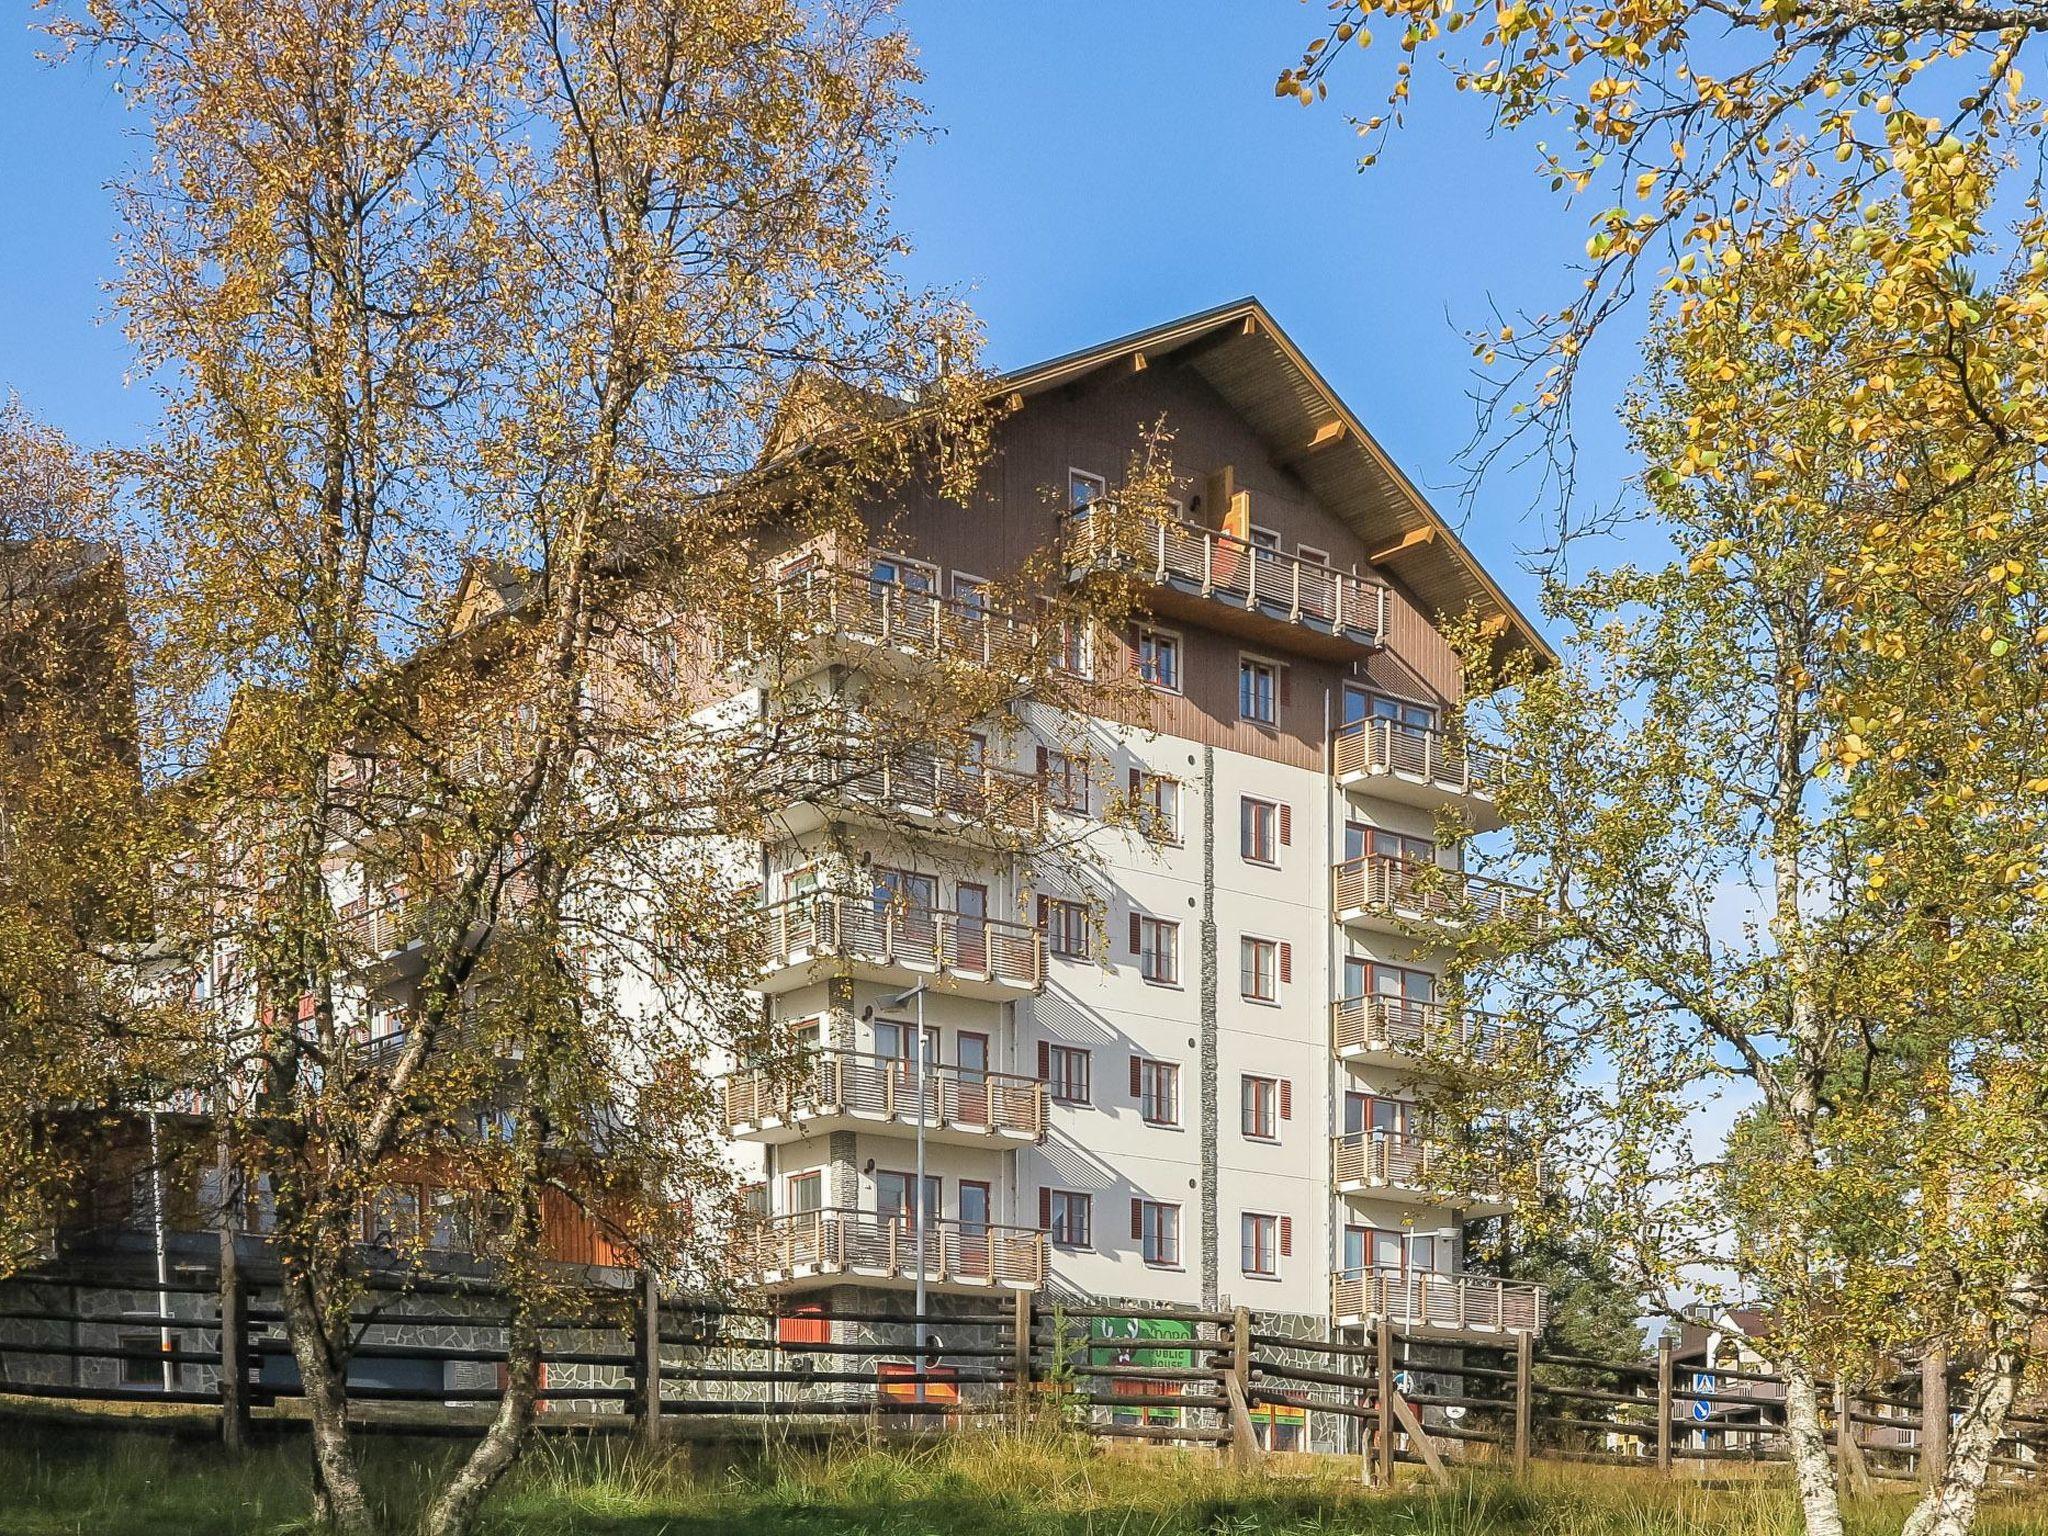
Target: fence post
1384	1361
648	1365
1525	1392
1664	1404
1244	1444
234	1346
1933	1415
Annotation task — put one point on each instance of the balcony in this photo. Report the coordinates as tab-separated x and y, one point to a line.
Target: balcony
1417	766
1450	1306
827	933
1408	1166
395	924
974	801
847	615
844	1090
1229	584
1390	895
1385	1031
825	1247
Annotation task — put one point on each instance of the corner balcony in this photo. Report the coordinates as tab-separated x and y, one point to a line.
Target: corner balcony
847	615
815	1248
829	934
1407	1166
954	797
1390	895
1227	583
845	1090
1444	1306
1382	1031
1417	766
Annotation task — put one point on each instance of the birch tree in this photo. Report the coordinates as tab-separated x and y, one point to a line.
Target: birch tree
506	346
1785	803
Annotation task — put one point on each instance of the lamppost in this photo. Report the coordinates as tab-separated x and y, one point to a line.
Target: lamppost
917	1197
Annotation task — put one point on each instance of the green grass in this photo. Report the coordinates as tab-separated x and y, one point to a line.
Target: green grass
82	1480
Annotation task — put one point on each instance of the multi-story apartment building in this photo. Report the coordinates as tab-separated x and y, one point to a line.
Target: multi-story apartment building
1185	1072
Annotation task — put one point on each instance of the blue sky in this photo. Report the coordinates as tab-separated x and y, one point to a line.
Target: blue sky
1098	167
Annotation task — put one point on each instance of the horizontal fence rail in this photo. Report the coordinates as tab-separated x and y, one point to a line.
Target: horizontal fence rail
1383	1384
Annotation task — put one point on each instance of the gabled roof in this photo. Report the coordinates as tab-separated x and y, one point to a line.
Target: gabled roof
1249	361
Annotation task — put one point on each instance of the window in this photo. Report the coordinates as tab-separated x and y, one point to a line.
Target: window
1265	1241
1066	780
1363	704
1077	651
1068	1218
1155	805
1156	1226
1084	490
1156	1087
1308	554
1263	1103
910	575
1372	978
806	1192
1064	1071
970	594
1361	841
1258	691
1159	659
1065	926
1258	830
1369	1112
135	1370
1156	942
1262	966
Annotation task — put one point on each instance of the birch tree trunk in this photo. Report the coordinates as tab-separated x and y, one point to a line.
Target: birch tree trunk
1813	1463
339	1501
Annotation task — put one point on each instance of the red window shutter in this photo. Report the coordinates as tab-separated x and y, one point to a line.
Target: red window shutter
1286	1098
1044	1062
1286	826
1137	782
1286	1237
1134	933
1286	687
1138	1219
1044	1207
1286	961
1043	762
1044	913
1137	1076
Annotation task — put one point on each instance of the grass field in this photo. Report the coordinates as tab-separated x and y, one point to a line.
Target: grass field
89	1481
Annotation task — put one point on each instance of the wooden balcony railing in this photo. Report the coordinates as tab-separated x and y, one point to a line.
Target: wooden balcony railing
836	601
1415	753
1410	1298
975	794
1229	570
394	922
997	1104
1409	1160
1404	1026
927	939
1415	891
850	1242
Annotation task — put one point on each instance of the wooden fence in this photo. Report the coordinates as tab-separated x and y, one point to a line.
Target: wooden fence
628	1359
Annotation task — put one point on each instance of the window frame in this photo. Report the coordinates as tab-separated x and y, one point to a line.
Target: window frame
1059	1054
1149	956
1155	824
1159	1087
1159	1233
1249	809
1060	775
1251	665
1248	946
1173	638
1100	482
1258	1234
1060	1205
1258	1096
1056	911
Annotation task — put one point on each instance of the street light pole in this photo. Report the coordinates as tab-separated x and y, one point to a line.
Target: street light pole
919	1213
